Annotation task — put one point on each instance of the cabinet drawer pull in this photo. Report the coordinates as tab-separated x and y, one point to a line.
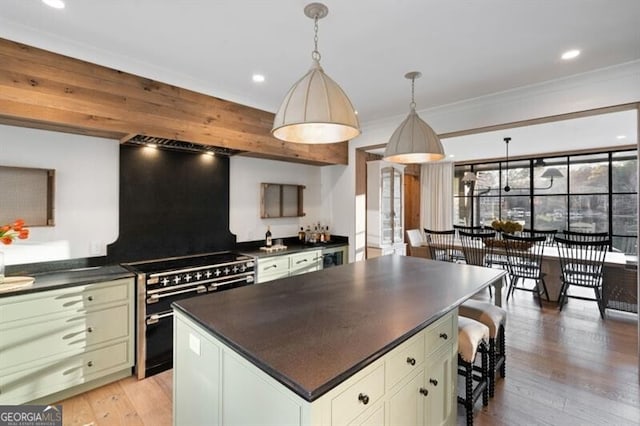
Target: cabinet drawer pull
363	398
424	391
90	364
90	298
89	329
434	382
444	336
411	361
270	266
300	261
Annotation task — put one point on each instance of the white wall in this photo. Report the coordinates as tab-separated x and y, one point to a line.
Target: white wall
600	88
246	175
86	192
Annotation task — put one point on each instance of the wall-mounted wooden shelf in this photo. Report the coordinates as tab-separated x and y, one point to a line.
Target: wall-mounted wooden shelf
281	200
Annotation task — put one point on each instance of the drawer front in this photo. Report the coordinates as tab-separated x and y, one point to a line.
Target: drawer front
43	379
263	278
349	404
407	358
63	336
307	261
273	265
439	333
77	299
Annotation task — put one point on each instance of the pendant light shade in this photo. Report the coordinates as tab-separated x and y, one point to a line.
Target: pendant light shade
316	109
414	141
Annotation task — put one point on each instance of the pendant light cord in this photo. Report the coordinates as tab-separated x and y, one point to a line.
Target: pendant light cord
413	100
315	55
506	187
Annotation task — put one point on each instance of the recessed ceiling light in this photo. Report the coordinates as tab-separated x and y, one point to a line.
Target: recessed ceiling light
258	78
56	4
570	54
621	137
451	155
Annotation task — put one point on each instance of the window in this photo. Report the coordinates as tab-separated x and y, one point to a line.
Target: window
592	192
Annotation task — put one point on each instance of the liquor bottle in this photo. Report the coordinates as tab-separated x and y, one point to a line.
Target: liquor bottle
307	235
268	241
327	234
301	235
321	235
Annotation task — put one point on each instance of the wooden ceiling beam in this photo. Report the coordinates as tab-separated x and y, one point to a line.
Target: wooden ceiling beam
46	90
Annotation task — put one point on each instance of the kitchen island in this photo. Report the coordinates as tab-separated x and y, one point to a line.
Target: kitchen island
360	343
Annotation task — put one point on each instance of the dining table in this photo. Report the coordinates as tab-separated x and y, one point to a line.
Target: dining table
614	264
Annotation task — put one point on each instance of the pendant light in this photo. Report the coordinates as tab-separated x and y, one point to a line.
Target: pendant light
507	188
414	141
316	109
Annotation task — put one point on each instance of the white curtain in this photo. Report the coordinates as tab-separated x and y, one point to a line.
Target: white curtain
436	195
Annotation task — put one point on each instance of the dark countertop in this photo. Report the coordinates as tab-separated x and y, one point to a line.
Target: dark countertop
70	278
291	248
313	331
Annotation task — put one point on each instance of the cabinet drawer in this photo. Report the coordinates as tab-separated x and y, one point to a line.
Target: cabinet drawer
43	379
273	265
348	404
78	299
406	358
306	261
439	333
62	336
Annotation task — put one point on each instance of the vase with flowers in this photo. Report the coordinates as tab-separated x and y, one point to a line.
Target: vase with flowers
506	226
8	233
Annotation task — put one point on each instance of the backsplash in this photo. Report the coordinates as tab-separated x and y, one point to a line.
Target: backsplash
171	204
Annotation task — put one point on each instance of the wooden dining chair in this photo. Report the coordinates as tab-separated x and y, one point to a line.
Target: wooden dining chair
524	262
549	234
441	244
477	249
584	236
582	264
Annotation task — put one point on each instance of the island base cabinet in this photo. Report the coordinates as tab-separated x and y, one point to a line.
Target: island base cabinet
428	397
196	389
440	383
214	385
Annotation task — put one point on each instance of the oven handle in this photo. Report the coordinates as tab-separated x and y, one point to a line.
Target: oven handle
154	318
248	278
154	298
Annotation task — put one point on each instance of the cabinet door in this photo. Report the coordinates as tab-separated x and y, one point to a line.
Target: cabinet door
373	417
386	210
396	208
439	379
406	406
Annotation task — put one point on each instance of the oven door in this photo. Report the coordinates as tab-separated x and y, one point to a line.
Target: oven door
158	324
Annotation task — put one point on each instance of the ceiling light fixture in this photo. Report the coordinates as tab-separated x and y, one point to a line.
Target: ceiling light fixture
413	141
570	54
620	137
257	78
56	4
316	109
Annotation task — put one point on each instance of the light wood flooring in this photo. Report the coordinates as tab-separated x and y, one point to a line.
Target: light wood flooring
563	368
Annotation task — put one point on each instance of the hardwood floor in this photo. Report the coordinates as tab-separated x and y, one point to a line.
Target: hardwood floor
563	368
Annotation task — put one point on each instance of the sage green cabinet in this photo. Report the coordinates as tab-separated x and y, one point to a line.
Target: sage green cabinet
53	341
287	265
414	384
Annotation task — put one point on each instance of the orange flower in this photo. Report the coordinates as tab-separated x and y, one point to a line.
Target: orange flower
16	230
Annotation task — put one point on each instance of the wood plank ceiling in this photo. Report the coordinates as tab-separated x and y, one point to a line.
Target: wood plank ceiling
45	90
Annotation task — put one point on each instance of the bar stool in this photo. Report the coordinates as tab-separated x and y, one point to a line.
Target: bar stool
495	318
472	338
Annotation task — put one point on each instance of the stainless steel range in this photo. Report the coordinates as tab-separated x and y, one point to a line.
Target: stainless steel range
161	282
